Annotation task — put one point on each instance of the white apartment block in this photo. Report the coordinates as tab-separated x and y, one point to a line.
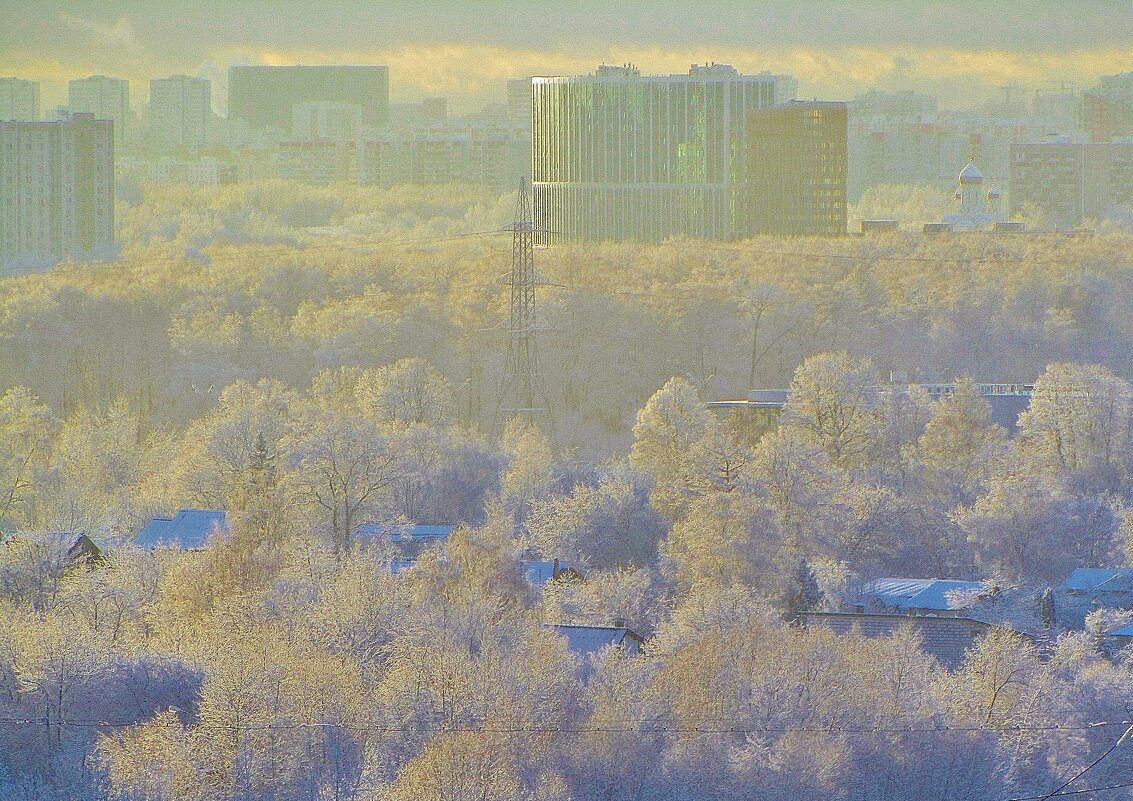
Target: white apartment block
56	191
105	98
180	112
19	100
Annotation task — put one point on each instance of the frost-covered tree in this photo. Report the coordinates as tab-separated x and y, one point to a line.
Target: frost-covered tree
608	525
960	446
26	431
832	405
667	442
1080	422
409	391
340	467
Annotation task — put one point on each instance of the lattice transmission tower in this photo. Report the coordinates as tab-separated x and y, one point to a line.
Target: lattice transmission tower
522	392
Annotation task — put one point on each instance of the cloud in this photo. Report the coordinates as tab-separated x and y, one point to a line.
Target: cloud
428	57
958	76
119	35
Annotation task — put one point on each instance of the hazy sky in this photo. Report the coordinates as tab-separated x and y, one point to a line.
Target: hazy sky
959	50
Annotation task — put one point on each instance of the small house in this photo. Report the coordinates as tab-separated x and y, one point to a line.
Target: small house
948	639
187	530
588	642
1110	587
938	597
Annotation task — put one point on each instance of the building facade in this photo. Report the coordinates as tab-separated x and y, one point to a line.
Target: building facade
494	157
180	112
621	156
264	97
337	121
19	100
318	162
105	98
1107	109
797	168
1069	182
56	191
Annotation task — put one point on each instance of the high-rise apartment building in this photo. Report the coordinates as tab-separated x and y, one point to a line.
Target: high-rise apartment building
180	111
336	121
105	98
617	155
56	191
1068	182
1107	110
264	96
797	168
19	99
519	101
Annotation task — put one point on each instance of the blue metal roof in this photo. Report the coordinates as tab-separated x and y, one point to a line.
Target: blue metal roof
931	594
406	534
587	640
189	529
1085	579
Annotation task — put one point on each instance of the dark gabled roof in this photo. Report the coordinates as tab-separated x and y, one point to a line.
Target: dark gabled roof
83	553
189	529
946	638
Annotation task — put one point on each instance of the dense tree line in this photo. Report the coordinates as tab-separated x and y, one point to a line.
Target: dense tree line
219	285
233	362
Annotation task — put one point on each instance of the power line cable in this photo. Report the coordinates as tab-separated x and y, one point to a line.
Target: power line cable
1092	765
1073	792
643	727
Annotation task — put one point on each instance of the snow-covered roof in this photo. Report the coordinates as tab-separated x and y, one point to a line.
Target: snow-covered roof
189	529
971	174
1102	579
541	573
930	594
401	534
587	640
400	565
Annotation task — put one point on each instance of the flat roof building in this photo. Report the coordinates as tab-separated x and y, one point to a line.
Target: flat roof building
180	112
19	100
617	155
105	98
797	168
492	156
1071	182
1107	109
264	96
56	191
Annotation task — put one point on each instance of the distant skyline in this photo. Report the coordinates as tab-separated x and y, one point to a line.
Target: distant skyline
960	51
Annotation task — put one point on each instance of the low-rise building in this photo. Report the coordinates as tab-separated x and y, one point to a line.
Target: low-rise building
939	597
187	530
948	639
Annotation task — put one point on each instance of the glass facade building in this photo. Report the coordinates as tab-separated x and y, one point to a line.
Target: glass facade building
621	156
